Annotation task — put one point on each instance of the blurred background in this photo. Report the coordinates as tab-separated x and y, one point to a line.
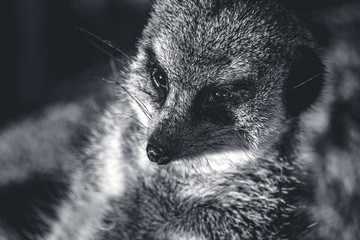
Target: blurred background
45	57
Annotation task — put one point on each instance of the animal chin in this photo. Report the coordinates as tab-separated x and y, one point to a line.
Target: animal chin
227	161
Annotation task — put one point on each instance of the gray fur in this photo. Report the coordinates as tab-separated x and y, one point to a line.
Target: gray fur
235	175
200	45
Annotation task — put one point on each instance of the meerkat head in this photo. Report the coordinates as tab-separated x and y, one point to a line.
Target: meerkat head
221	76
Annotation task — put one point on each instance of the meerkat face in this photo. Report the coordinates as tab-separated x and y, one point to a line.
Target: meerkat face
220	77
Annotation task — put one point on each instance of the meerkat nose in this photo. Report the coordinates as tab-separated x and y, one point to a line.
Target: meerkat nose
157	155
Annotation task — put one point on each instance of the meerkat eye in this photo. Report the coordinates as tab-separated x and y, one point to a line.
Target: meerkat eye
159	78
219	97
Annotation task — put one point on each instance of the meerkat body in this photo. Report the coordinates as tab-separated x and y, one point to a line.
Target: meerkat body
213	99
216	106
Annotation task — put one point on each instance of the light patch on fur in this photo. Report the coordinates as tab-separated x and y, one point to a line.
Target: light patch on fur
108	161
223	162
228	161
165	49
30	143
216	165
111	174
237	66
135	67
185	236
81	217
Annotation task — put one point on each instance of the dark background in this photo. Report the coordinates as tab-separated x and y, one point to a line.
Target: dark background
45	57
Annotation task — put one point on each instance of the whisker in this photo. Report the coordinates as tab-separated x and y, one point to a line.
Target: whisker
106	42
142	106
107	80
312	78
103	50
140	124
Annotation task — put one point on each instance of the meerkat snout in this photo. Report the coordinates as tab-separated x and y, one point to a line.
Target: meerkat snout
158	154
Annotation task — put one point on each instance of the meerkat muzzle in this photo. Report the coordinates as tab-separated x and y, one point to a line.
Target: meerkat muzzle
157	155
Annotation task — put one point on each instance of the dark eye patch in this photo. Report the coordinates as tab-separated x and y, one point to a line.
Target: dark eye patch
236	92
216	98
215	102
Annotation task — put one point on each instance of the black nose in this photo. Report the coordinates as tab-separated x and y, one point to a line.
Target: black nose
157	155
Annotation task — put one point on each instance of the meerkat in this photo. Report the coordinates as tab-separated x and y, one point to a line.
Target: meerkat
199	137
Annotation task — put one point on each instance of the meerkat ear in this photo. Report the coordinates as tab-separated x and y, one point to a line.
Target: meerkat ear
305	81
